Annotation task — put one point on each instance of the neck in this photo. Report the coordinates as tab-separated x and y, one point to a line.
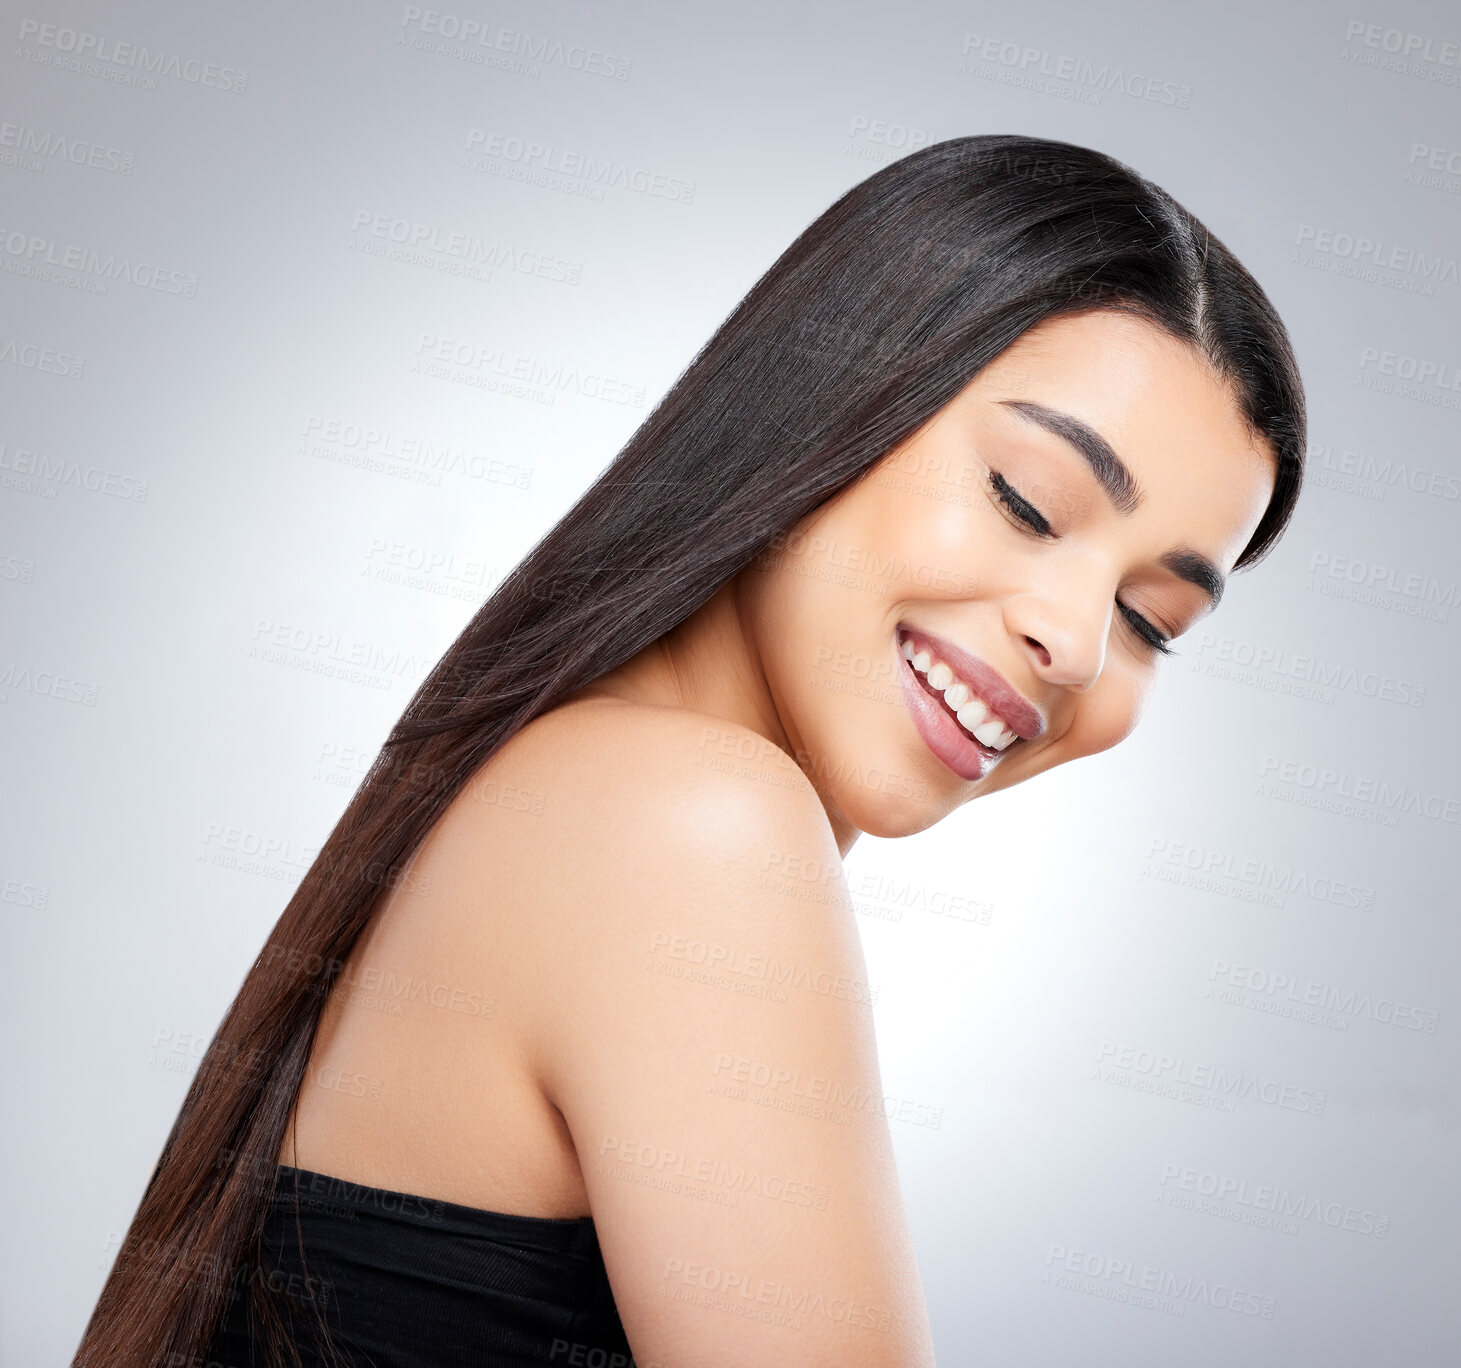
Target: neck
709	664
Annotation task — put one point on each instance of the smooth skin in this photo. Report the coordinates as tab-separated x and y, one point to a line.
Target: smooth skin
641	895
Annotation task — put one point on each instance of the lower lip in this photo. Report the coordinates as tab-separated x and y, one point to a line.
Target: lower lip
940	731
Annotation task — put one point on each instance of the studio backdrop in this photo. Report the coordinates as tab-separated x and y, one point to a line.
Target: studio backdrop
314	318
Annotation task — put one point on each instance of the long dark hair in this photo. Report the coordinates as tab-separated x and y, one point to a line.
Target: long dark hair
869	323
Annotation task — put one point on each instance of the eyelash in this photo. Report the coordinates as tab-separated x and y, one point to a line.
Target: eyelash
1035	522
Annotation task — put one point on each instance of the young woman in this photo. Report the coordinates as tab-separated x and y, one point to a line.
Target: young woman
990	433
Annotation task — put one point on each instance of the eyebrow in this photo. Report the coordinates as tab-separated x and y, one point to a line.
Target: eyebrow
1198	570
1109	469
1120	485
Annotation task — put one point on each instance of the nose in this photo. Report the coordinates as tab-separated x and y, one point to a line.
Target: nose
1065	642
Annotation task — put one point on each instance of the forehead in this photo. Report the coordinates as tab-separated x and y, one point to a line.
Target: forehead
1170	419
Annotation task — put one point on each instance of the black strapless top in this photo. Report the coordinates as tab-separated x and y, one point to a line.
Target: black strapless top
414	1282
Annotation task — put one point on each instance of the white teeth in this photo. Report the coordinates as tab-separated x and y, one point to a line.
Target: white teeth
973	713
989	732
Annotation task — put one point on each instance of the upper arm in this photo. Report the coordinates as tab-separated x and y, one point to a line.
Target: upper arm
706	1033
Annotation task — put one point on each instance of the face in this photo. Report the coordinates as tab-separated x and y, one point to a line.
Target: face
1031	547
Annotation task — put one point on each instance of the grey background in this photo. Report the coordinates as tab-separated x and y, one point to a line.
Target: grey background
193	557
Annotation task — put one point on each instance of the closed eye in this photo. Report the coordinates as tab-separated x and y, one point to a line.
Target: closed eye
1022	509
1020	506
1151	634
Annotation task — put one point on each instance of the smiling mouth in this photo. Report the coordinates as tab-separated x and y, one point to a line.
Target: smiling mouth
979	724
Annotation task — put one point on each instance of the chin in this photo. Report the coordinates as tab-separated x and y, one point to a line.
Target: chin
889	823
894	799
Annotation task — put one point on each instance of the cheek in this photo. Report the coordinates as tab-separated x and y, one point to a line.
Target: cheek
1107	714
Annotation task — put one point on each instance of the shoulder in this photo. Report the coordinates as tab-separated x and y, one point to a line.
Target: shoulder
693	969
673	842
629	778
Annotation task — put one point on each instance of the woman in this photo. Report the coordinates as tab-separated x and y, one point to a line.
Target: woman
990	433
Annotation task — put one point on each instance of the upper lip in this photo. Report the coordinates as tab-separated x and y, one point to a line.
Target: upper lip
1006	702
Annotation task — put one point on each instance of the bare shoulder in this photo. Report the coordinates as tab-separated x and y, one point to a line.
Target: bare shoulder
608	824
647	745
620	783
691	930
